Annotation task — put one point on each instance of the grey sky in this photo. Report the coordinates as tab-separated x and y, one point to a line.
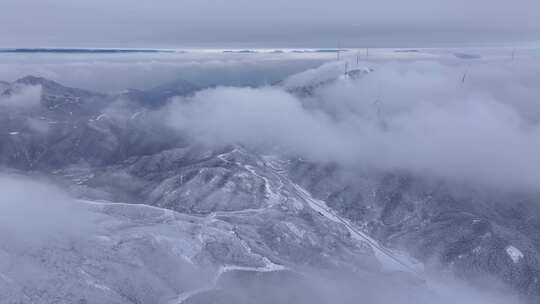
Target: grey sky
264	23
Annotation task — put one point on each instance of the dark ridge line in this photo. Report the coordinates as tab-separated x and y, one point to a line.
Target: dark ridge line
82	51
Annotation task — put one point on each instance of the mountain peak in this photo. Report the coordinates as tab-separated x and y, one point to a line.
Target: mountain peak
35	80
55	88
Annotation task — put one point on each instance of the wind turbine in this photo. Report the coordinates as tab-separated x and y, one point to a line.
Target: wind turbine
465	75
378	108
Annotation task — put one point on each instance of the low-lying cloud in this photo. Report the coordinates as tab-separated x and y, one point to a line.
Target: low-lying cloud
21	97
420	117
33	212
110	73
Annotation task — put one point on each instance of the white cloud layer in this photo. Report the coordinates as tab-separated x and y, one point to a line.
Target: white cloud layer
412	116
112	73
22	97
33	212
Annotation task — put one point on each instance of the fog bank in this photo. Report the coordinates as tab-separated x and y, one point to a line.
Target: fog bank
424	117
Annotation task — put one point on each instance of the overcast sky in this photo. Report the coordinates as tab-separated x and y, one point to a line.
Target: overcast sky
266	23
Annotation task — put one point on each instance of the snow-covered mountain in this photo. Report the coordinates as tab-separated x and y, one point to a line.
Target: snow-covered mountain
182	222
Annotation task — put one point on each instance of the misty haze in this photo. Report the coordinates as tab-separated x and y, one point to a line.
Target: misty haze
253	152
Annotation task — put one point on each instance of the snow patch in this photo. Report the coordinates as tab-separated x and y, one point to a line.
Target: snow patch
391	260
272	197
515	254
292	227
269	267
